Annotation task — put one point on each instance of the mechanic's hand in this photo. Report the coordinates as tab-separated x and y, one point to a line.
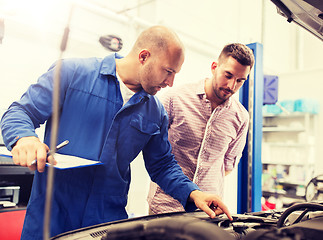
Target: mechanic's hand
28	149
211	204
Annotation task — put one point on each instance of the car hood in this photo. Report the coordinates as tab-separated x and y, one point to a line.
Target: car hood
306	13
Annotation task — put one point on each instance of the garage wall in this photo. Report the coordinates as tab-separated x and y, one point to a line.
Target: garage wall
294	55
305	84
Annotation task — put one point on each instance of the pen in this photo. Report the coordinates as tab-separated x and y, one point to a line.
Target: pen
59	146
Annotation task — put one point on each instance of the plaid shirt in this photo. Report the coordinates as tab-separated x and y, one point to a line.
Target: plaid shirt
205	143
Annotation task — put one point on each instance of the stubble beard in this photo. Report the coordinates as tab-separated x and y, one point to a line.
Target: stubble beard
219	94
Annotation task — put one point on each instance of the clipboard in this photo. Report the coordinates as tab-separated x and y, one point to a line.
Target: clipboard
69	161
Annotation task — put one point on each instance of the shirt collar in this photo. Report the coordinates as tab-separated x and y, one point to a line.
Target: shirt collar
144	94
109	68
227	103
109	64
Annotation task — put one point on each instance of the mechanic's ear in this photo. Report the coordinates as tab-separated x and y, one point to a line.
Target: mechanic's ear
144	55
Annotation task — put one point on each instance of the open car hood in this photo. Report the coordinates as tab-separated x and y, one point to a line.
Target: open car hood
306	13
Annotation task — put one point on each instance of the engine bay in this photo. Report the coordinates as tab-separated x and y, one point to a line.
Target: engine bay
297	222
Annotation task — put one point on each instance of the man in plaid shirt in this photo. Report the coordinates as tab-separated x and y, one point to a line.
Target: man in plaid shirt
207	127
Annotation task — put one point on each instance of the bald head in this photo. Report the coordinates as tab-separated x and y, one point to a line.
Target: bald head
158	39
157	55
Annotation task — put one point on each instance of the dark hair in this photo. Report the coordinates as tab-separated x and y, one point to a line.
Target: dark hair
238	51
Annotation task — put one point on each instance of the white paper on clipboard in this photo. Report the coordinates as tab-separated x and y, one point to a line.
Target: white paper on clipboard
69	161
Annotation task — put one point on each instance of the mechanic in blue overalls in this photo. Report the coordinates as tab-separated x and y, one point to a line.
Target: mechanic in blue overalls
108	112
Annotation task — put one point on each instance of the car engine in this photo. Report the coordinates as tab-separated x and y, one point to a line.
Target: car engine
301	221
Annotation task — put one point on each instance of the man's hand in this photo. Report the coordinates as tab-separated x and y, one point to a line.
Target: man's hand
211	204
28	149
